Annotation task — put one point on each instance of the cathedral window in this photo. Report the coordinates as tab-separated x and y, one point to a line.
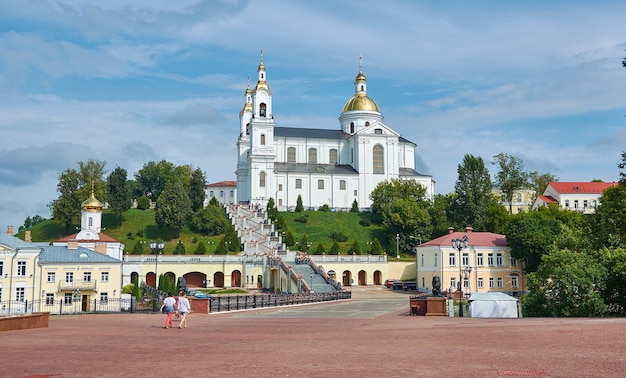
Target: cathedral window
263	110
378	131
262	179
320	184
342	184
351	127
291	155
367	123
262	139
298	183
280	187
355	193
332	156
90	221
312	155
379	160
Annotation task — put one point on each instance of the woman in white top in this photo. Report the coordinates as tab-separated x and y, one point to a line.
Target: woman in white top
168	307
183	308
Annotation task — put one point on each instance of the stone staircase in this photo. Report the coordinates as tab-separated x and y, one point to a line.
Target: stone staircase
312	278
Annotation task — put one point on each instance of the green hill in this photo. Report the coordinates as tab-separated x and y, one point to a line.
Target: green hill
139	226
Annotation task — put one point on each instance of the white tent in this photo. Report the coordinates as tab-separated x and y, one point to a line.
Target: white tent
493	305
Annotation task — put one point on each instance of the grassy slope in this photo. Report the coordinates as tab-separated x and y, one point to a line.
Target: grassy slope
141	226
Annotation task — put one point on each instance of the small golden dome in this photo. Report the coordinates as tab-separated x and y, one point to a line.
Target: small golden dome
360	77
361	102
92	204
246	108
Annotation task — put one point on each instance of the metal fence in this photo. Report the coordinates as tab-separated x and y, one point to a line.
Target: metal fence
242	302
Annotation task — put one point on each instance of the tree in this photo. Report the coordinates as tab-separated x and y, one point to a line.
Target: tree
608	224
180	248
196	189
540	181
138	248
66	209
144	202
470	206
320	249
614	293
511	176
303	244
119	197
173	207
152	177
221	248
377	249
31	222
355	206
355	248
299	207
272	211
289	239
91	176
210	220
334	249
567	283
622	164
438	214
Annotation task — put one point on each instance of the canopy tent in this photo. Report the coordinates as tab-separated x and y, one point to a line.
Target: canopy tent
493	305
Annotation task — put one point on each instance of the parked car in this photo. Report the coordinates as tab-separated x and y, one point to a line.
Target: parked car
397	285
389	283
406	286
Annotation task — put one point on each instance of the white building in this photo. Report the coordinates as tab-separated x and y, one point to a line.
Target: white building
323	166
225	192
578	196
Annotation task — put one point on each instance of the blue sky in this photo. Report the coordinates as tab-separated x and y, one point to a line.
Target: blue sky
129	82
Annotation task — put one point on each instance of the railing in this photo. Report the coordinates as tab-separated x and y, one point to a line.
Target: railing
77	284
62	307
224	303
194	259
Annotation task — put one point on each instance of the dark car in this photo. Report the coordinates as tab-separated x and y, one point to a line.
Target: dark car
397	285
406	286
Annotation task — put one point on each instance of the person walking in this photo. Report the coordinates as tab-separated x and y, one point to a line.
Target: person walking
168	307
183	309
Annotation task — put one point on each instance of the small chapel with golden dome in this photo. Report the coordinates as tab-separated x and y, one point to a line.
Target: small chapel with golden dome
331	167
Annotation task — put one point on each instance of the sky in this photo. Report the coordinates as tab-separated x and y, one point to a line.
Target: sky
129	82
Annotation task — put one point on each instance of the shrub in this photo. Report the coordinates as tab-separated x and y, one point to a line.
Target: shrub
338	237
143	203
324	208
302	219
355	207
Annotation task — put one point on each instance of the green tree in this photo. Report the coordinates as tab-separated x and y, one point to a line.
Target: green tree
180	248
355	207
303	244
119	197
144	202
334	249
320	249
272	211
567	283
438	214
196	189
91	176
214	202
172	209
497	218
139	247
511	177
232	240
289	239
152	177
377	249
66	209
31	222
210	220
470	206
299	207
539	182
221	248
614	293
355	248
622	165
608	224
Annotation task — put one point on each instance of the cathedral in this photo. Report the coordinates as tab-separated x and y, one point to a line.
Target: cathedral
333	167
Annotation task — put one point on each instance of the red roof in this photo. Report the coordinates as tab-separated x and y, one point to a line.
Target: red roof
103	238
581	187
482	239
547	199
223	183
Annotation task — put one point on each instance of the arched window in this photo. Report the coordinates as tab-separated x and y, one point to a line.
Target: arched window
378	159
312	156
367	123
262	179
342	184
262	110
291	155
262	139
332	156
351	127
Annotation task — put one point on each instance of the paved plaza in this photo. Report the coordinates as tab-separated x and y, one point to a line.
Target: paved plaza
368	336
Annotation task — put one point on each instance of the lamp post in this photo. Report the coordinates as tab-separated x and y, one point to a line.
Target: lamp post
459	245
311	281
397	246
467	271
157	248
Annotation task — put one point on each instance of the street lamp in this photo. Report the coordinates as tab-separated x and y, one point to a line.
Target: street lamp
459	245
397	246
311	281
157	249
467	271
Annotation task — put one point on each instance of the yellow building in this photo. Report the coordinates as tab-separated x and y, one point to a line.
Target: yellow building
522	200
484	265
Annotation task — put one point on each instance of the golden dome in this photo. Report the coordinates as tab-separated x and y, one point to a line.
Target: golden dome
360	101
246	108
92	204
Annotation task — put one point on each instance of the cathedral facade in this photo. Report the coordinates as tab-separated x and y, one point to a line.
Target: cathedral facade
333	167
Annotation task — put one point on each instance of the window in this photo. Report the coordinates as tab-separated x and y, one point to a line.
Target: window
1	268
500	282
69	277
466	282
280	187
104	298
466	259
342	184
453	282
298	183
575	204
513	261
312	155
367	123
451	259
519	197
280	202
422	262
51	277
378	131
263	110
566	203
514	281
232	193
49	299
594	203
104	276
211	194
90	221
423	282
262	179
221	194
320	184
435	264
481	284
19	294
479	259
262	139
21	268
351	127
67	298
491	283
355	192
291	155
378	159
585	204
87	276
490	259
499	259
332	156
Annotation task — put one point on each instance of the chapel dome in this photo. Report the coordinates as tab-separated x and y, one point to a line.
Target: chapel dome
361	101
92	204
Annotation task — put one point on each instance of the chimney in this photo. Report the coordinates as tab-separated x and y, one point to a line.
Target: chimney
450	230
468	229
27	238
10	230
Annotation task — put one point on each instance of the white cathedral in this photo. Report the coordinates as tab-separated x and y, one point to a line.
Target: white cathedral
323	166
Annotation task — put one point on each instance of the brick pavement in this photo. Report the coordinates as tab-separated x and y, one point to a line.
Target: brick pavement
324	340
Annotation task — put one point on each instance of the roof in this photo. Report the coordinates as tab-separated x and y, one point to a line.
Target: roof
102	238
492	296
222	183
547	199
14	242
411	172
309	133
61	254
581	187
481	239
314	168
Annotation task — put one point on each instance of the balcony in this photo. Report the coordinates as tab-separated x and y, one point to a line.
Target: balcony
77	284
